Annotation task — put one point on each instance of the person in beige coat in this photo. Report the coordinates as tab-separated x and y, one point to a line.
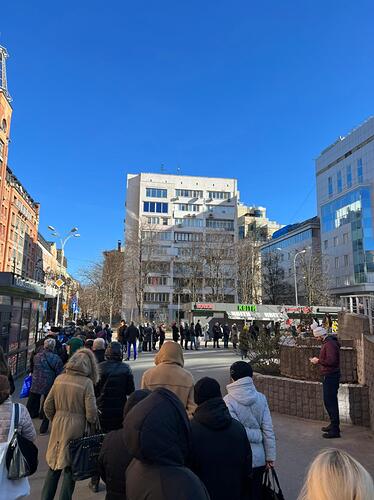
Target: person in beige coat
169	373
70	404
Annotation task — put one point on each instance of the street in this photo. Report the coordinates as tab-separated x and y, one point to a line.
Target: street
297	440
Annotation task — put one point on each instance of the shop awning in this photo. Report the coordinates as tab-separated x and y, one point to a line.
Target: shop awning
259	316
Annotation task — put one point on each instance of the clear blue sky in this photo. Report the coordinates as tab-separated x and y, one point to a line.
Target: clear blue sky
248	89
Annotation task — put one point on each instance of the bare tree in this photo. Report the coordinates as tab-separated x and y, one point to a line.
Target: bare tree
313	280
249	269
219	262
275	289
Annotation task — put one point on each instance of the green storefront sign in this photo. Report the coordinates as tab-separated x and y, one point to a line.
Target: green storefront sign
246	307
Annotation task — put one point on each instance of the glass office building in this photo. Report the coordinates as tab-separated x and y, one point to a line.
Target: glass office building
345	177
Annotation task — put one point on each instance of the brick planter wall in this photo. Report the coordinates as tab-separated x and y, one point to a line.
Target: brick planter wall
294	363
304	399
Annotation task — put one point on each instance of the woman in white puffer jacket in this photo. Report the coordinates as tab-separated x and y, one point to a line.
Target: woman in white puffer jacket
251	409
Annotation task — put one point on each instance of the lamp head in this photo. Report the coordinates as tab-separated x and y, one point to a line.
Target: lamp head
74	230
51	228
76	235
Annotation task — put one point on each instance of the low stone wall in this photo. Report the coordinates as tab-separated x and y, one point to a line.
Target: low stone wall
294	363
369	372
304	399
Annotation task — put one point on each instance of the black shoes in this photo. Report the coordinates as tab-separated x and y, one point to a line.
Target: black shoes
326	429
331	435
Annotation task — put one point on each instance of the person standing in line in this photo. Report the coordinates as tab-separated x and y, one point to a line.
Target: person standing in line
251	409
132	335
336	475
115	384
234	336
160	442
109	333
216	434
46	367
121	334
5	370
206	335
329	362
244	342
98	349
187	336
154	336
70	404
192	336
198	329
175	331
216	335
114	457
161	335
147	338
170	373
20	488
141	338
226	335
182	330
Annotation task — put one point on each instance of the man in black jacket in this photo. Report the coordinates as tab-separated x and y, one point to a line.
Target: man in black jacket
114	457
131	337
159	441
221	453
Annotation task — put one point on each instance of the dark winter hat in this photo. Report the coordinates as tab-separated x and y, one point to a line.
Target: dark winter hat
206	388
114	351
134	399
241	369
4	388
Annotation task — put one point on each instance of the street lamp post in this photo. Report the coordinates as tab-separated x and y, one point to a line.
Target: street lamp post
294	270
63	240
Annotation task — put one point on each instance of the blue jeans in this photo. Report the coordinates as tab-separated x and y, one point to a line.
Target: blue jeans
193	342
129	344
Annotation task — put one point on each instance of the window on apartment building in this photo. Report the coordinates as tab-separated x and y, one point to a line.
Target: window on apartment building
330	188
336	262
339	181
189	193
219	195
153	220
227	225
157	280
2	147
156	297
325	244
188	236
360	176
337	281
335	241
346	260
289	255
165	221
189	222
345	238
349	176
156	193
188	207
155	207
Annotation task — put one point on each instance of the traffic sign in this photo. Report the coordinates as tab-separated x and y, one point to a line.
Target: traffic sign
59	283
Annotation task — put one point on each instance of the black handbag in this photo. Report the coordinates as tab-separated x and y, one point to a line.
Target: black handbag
22	455
84	454
270	489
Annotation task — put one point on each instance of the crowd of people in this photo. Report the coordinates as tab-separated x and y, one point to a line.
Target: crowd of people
171	437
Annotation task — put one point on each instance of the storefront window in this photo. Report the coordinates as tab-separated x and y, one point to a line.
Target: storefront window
25	323
14	329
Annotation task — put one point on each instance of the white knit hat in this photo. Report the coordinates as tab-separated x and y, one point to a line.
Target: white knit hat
318	331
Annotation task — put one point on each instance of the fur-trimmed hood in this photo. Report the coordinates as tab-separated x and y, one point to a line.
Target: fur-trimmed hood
83	362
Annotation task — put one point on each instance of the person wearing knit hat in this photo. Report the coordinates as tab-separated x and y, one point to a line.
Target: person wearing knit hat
216	434
329	362
99	349
251	409
74	344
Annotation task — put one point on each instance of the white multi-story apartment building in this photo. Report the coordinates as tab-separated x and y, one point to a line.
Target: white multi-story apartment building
186	228
345	181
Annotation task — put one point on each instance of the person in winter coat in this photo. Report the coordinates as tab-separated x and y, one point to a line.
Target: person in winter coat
206	335
216	434
12	490
132	335
329	362
154	336
159	441
175	331
46	367
169	373
161	335
121	332
198	329
73	345
69	405
217	332
226	335
192	336
99	350
148	333
234	335
244	341
5	370
251	409
187	335
115	384
114	457
182	331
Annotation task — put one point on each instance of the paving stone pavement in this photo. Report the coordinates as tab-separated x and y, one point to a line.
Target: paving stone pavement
298	440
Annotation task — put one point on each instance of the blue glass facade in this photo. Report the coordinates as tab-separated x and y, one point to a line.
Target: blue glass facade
353	208
287	242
